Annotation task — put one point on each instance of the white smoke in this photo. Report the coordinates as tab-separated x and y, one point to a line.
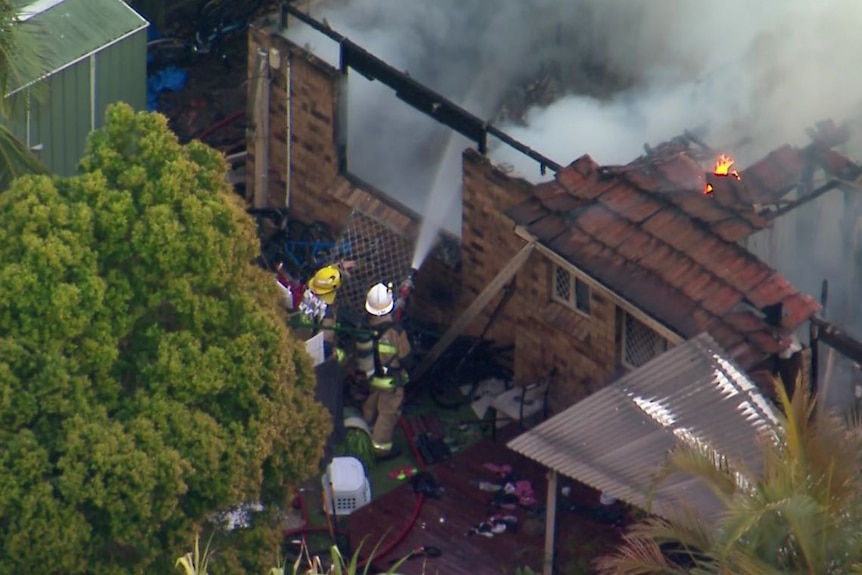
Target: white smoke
747	75
752	75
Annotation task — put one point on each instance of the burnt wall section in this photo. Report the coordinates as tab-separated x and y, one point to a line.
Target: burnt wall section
304	98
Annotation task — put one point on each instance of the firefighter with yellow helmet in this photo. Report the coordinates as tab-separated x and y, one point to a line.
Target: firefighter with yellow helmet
385	358
318	304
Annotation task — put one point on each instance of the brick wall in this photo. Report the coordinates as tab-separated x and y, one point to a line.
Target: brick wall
318	192
545	333
312	107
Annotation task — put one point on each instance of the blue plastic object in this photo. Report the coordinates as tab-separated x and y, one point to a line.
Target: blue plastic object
170	79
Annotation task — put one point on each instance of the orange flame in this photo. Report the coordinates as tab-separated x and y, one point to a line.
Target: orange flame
724	166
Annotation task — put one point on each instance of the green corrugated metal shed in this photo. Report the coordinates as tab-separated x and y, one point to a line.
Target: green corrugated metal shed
95	55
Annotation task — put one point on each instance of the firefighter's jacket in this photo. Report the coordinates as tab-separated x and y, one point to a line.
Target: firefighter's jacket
385	359
319	314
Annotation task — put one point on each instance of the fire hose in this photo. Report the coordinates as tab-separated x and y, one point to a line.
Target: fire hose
384	551
400	303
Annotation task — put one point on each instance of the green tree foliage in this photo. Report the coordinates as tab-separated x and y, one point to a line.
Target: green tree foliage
799	515
147	377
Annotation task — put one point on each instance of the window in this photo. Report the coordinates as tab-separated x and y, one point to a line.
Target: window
570	290
640	343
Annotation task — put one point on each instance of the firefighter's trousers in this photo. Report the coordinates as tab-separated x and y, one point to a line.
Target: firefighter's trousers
381	410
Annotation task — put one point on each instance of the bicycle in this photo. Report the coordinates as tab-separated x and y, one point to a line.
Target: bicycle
215	20
455	377
218	18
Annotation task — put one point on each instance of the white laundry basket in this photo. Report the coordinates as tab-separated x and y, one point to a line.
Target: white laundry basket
345	481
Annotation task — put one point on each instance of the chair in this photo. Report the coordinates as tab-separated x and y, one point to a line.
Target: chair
522	403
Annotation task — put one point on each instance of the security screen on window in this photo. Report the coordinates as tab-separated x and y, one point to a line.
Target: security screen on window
570	290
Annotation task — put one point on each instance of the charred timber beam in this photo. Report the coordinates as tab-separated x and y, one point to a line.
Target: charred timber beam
828	186
833	336
416	94
543	161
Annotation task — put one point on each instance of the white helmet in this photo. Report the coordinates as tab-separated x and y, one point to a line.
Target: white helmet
379	300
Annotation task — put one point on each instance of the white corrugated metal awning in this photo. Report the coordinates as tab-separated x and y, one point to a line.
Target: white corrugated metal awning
616	439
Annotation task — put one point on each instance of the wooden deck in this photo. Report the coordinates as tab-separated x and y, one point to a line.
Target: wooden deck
444	522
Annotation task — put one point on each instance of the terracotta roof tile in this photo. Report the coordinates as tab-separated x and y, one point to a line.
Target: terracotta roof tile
642	211
699	206
684	271
659	260
548	227
682	172
527	212
797	308
701	287
725	261
733	230
615	232
703	251
577	173
569	242
744	321
636	246
722	300
648	232
752	275
650	180
593	217
556	198
774	175
836	164
770	292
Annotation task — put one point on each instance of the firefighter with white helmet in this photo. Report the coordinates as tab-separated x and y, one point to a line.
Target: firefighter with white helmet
385	360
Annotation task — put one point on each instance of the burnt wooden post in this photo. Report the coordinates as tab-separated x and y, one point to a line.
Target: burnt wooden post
814	338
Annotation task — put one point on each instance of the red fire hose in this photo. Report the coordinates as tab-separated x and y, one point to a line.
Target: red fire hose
219	125
384	551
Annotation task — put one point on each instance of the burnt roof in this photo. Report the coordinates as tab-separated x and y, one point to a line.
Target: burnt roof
648	232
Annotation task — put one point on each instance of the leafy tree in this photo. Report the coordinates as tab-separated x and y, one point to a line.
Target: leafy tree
800	515
147	377
21	53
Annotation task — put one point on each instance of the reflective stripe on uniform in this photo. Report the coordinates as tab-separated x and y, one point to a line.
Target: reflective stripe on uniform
384	447
383	383
365	355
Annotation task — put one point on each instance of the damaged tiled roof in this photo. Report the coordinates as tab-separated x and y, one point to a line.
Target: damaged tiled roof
649	233
771	178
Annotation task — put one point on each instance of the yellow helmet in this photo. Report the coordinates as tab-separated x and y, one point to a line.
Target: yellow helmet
325	282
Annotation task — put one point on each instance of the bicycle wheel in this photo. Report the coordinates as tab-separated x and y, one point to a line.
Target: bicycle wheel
165	52
220	17
453	381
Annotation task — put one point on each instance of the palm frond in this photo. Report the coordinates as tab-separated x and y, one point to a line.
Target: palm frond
15	159
637	556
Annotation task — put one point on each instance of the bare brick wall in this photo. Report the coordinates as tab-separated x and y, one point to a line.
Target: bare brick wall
550	334
317	191
545	333
312	105
488	241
